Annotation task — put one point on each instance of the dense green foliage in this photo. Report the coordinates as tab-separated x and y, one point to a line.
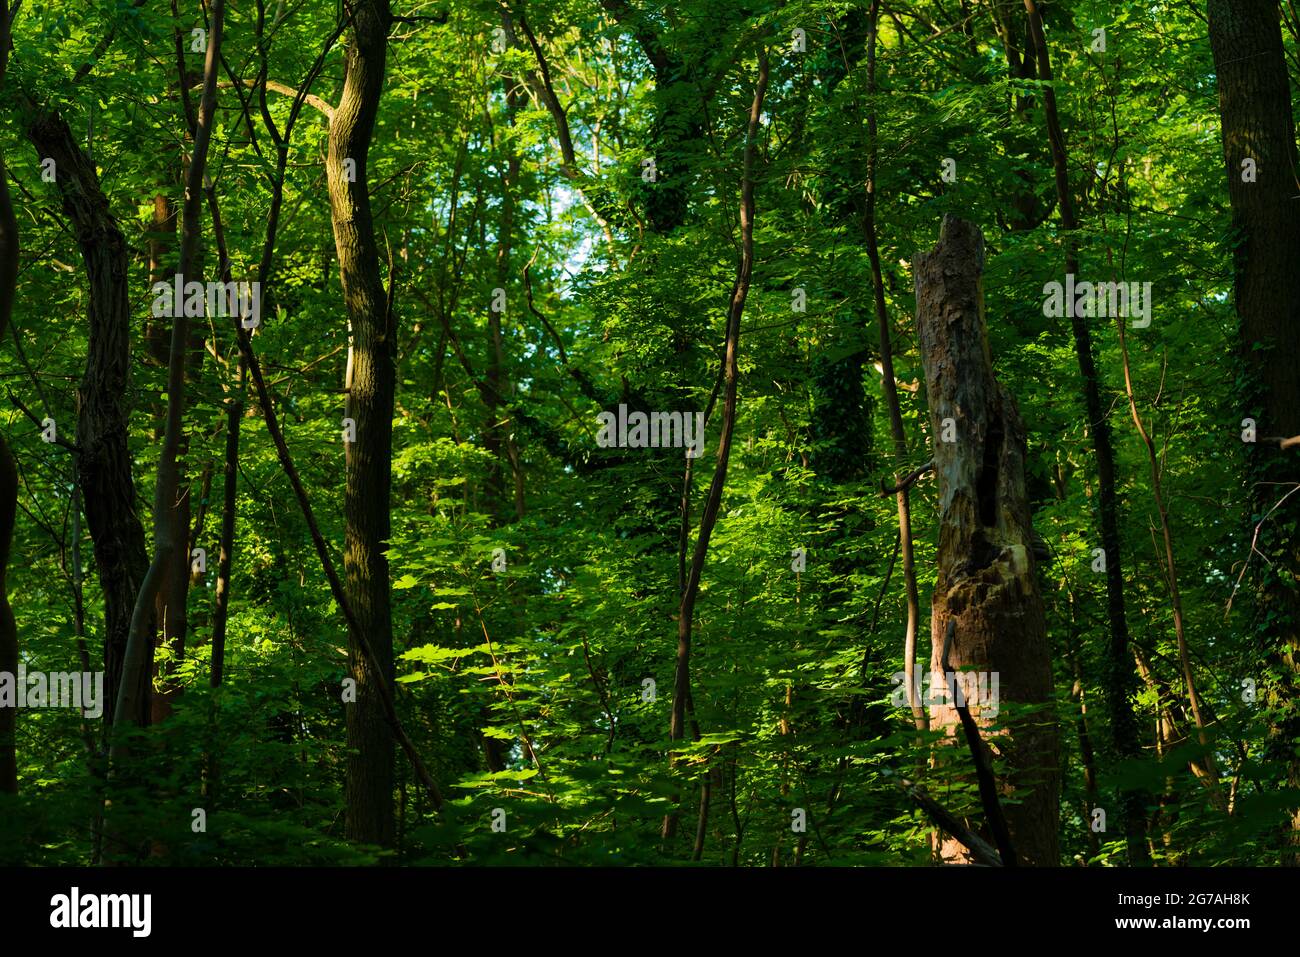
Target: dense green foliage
616	289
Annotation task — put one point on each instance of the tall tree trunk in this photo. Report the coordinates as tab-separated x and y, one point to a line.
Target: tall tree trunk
1257	125
103	457
171	510
986	578
1203	766
170	605
890	387
230	501
1120	683
157	334
339	592
370	405
235	400
713	500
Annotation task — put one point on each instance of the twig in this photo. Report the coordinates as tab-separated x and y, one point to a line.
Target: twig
58	439
1254	539
907	481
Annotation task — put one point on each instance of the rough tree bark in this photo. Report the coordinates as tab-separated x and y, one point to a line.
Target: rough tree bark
103	457
369	789
986	578
1257	124
282	139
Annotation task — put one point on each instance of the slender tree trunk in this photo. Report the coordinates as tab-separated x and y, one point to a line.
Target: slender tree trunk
383	689
713	500
235	401
986	577
1204	767
157	336
890	388
370	406
171	603
1086	756
1258	128
221	598
171	526
162	239
230	501
1120	681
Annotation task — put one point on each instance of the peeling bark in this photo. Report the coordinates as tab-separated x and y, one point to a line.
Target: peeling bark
986	578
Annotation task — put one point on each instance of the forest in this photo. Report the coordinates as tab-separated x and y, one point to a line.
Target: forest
733	433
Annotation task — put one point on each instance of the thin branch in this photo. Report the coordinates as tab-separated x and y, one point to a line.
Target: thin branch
908	480
58	439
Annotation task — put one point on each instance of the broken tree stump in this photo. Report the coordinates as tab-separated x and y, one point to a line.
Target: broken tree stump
986	577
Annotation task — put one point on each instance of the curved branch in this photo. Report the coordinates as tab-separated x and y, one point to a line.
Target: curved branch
907	481
277	87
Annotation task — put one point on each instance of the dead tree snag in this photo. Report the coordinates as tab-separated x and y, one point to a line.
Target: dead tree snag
986	577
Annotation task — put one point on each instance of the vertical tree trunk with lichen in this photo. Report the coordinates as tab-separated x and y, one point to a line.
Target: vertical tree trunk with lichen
986	577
